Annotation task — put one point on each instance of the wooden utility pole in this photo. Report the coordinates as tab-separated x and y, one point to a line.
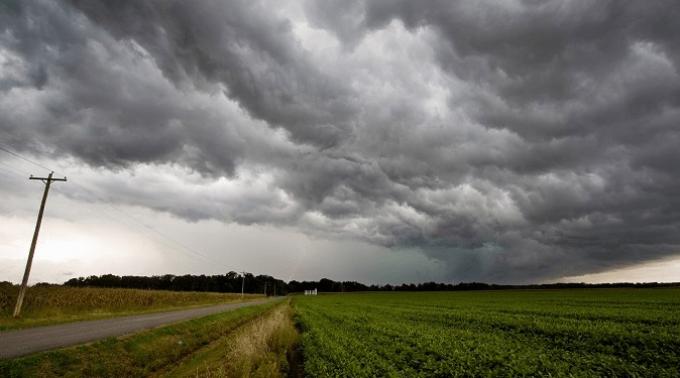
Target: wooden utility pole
265	288
243	282
22	291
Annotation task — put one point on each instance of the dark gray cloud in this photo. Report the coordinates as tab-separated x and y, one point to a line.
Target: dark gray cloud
514	142
243	45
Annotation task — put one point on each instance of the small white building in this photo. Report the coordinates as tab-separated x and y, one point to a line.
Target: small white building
310	292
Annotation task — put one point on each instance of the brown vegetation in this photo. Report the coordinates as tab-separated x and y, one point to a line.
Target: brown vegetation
55	304
260	348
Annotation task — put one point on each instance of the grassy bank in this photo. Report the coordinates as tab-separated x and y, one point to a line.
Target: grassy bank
59	304
260	348
581	333
153	352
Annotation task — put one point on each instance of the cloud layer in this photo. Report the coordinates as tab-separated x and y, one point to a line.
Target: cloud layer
513	142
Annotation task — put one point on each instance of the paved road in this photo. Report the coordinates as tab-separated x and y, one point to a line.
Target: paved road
26	341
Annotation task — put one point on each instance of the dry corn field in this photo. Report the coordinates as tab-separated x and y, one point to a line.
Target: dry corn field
53	304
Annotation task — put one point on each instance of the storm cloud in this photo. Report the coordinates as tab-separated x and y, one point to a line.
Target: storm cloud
519	141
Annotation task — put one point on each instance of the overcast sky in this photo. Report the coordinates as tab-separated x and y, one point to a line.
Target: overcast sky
380	141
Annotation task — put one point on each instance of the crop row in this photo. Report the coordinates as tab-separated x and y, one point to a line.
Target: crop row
513	333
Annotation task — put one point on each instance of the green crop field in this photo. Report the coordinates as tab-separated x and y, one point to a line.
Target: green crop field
579	333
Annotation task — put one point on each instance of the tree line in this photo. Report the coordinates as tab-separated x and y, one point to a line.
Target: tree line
231	283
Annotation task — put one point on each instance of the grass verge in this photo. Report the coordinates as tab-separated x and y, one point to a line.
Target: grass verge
59	304
141	354
260	348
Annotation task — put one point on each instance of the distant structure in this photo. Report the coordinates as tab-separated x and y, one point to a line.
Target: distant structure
310	292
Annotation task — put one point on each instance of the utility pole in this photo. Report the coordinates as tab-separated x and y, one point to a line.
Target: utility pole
265	288
22	290
243	282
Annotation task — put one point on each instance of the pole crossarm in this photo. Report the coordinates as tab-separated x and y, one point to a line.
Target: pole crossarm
45	179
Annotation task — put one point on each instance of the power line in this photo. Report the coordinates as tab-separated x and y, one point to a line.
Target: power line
4	148
171	242
95	197
10	169
109	213
154	230
144	228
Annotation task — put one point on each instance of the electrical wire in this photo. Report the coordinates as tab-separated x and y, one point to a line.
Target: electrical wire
4	148
165	239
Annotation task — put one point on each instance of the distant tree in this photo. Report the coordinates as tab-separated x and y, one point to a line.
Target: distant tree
231	282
